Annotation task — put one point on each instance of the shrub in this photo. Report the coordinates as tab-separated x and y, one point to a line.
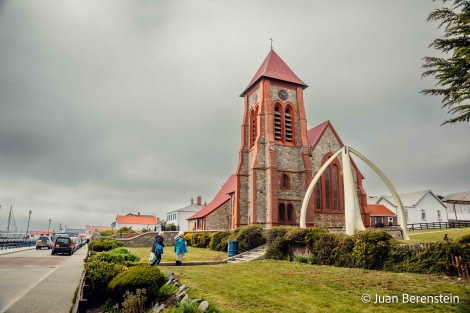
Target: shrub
217	242
118	256
274	233
371	249
187	237
341	255
104	244
137	277
134	303
322	243
107	232
249	237
282	240
278	249
399	259
311	260
101	273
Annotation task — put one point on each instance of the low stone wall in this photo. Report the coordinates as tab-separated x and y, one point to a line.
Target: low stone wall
146	240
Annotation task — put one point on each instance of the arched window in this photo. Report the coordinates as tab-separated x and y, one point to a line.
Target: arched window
253	128
277	124
282	213
290	210
327	189
288	125
318	197
334	174
285	182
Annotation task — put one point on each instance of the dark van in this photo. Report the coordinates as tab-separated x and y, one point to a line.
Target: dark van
62	245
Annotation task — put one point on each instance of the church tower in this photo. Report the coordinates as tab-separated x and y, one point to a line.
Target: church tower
274	168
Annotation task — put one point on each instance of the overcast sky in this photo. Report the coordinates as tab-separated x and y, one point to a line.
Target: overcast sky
109	107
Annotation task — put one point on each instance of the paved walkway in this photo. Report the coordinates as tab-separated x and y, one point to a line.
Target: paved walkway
56	291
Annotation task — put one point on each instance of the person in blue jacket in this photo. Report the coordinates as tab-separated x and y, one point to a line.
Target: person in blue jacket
180	248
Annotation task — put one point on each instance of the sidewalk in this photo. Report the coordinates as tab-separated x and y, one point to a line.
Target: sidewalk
14	250
54	293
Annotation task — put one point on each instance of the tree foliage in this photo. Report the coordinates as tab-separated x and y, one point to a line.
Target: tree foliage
453	73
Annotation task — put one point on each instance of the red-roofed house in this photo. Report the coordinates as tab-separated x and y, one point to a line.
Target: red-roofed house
137	222
278	159
377	215
218	213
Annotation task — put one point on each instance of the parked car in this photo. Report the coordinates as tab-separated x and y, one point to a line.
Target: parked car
63	245
44	242
76	244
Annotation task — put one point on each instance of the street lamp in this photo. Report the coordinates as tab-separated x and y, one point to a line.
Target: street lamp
49	227
27	228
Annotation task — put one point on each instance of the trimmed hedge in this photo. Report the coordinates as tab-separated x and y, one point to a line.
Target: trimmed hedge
141	276
249	237
101	273
104	244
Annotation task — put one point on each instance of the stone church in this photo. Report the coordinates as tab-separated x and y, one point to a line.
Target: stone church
278	159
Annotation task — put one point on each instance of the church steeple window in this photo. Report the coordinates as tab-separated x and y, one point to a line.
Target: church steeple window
253	126
288	125
277	124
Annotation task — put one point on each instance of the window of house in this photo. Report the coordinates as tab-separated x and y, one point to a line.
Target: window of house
200	223
423	215
406	213
439	215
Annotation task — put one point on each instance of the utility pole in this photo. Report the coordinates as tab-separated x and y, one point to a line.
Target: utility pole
27	228
49	227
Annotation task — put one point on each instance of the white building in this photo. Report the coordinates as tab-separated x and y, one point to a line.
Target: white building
179	217
458	206
420	207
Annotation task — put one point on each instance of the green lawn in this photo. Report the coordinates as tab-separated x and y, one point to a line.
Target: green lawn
281	286
429	235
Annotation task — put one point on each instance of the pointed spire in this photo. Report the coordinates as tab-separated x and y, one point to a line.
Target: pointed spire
274	67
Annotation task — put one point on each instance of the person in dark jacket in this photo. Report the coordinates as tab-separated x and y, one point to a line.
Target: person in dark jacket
159	239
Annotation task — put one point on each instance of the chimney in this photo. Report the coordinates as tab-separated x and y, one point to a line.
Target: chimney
192	201
205	203
138	213
199	199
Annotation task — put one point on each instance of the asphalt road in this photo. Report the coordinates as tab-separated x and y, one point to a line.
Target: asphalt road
36	281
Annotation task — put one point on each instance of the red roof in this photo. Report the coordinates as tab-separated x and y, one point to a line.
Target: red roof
314	134
221	197
274	67
378	209
133	219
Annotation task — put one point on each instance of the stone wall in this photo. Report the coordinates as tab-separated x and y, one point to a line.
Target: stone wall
221	218
146	239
